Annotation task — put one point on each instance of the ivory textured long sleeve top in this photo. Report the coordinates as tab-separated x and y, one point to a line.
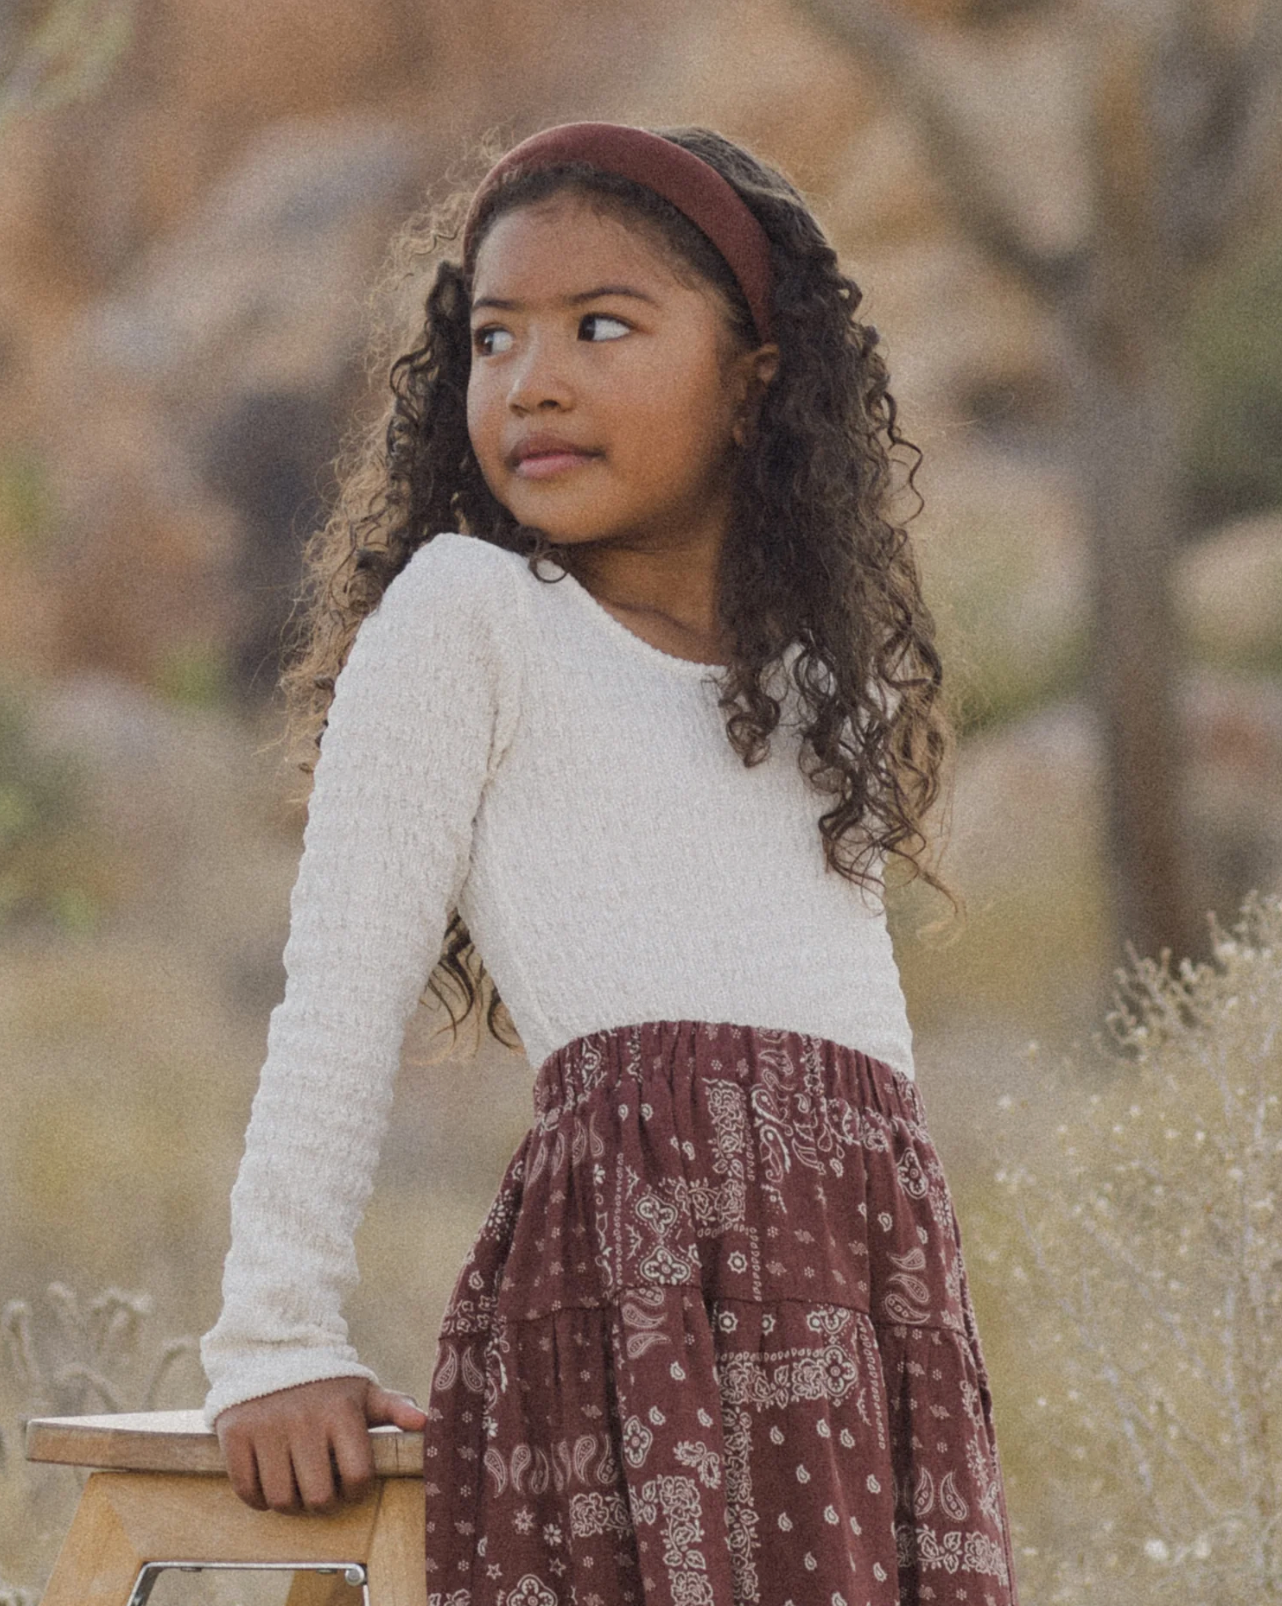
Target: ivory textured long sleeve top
502	744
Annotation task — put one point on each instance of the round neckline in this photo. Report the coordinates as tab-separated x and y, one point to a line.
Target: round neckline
689	666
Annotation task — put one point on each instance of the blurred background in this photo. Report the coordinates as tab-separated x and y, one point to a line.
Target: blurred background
1066	218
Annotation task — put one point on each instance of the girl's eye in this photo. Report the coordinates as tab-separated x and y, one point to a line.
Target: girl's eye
491	332
604	317
482	335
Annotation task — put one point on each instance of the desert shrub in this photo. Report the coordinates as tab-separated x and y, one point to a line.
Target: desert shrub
51	869
1136	1249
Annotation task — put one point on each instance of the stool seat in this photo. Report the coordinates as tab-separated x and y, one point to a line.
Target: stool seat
160	1495
178	1441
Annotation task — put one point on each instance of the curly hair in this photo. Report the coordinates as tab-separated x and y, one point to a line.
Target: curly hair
812	556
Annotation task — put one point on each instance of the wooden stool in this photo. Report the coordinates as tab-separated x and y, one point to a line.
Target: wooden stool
165	1500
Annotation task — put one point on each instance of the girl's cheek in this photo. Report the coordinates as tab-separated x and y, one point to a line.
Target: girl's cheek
475	418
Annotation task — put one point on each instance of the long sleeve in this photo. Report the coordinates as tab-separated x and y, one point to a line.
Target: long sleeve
422	713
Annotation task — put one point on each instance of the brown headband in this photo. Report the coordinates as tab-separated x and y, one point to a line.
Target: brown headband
691	184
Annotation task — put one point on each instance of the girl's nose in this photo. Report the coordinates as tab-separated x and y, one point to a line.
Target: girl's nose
538	376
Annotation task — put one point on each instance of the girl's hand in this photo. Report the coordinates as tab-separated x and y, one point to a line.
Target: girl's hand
307	1448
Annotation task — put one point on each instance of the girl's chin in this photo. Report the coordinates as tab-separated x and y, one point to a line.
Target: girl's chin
569	537
562	532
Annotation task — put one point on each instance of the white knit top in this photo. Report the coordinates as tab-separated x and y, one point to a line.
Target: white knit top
503	744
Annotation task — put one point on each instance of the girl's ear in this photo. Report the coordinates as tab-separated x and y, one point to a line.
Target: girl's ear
765	361
758	369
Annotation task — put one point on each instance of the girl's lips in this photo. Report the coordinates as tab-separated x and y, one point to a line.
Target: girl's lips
543	465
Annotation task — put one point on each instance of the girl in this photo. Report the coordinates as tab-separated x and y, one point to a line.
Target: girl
643	700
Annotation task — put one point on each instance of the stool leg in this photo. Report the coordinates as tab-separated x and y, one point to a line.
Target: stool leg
98	1563
398	1546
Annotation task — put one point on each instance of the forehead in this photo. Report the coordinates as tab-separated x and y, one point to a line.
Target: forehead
549	248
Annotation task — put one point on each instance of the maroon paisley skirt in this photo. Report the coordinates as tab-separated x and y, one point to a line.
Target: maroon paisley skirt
714	1344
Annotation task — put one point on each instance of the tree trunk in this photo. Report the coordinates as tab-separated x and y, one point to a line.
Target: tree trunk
1120	314
1124	446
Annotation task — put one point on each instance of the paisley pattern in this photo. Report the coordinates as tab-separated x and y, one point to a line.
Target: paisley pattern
714	1345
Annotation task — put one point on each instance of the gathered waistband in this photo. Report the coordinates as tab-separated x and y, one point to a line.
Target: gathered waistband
674	1051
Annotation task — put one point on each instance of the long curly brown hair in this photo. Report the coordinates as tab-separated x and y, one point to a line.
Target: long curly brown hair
813	555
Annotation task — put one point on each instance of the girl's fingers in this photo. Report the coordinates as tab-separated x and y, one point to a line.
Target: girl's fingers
242	1469
381	1406
313	1468
353	1456
353	1452
276	1472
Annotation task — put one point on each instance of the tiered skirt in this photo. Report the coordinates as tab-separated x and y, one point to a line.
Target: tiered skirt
714	1345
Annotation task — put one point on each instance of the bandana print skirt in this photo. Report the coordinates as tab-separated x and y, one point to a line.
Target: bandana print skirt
714	1344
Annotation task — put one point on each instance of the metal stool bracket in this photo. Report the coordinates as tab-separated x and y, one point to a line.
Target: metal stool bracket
353	1573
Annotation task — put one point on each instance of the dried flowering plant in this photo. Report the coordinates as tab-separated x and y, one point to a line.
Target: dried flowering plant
1141	1244
79	1366
67	1357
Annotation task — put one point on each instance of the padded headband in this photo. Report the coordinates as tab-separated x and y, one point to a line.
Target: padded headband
694	187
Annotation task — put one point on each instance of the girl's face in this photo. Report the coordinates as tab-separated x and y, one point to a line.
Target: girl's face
582	334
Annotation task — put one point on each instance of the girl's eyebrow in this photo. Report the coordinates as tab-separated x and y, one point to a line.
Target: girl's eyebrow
570	301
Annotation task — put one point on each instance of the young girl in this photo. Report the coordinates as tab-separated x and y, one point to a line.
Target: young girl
643	700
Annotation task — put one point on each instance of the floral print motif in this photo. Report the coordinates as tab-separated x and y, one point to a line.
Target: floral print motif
637	1440
714	1345
598	1513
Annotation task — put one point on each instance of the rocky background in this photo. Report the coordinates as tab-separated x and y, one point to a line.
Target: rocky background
189	246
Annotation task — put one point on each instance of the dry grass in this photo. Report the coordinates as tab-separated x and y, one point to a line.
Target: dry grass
1134	1242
